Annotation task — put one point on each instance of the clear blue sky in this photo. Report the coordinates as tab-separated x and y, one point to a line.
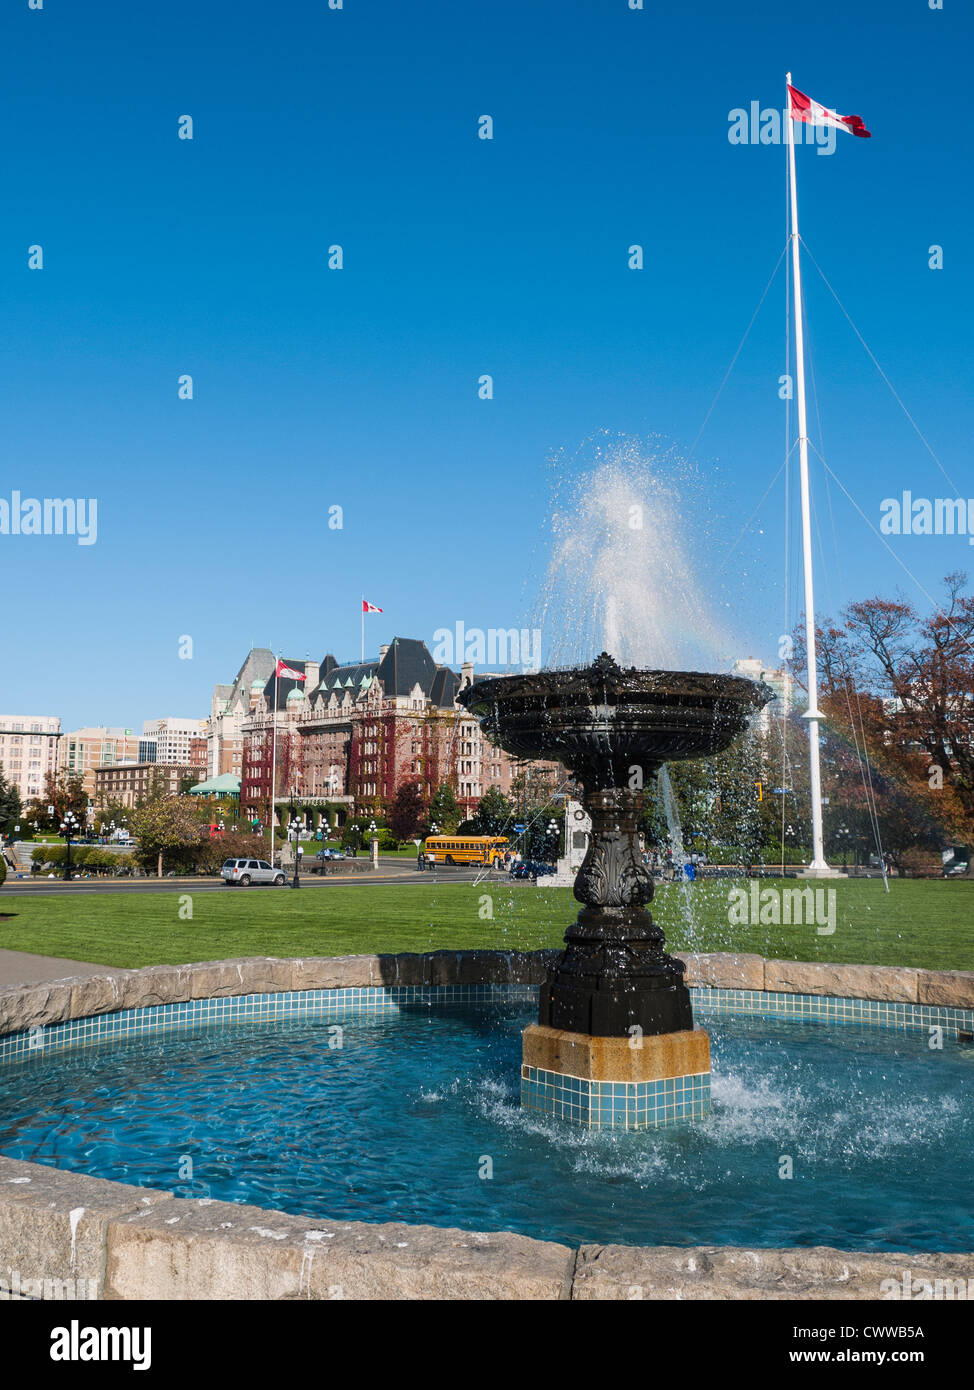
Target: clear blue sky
315	387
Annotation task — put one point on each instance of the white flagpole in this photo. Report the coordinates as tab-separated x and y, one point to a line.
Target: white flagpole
363	629
277	662
818	866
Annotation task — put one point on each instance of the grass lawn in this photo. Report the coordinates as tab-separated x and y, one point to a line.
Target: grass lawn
920	923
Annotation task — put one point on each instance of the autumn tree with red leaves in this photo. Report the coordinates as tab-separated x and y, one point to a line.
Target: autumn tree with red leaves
902	684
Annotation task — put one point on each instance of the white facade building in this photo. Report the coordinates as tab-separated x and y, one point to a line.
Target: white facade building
175	739
781	682
28	751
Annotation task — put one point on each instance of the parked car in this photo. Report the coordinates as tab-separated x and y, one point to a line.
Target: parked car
532	868
248	871
956	860
330	854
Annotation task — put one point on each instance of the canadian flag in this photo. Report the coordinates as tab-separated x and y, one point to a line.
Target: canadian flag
803	108
288	673
369	607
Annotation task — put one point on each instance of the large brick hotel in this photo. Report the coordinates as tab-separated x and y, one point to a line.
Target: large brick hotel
352	734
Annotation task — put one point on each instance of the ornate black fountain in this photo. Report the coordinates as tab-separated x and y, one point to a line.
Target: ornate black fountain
613	729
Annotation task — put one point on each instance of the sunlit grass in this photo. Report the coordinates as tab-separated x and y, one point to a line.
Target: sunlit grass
928	924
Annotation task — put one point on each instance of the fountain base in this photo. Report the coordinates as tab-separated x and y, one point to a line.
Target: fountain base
616	1083
576	998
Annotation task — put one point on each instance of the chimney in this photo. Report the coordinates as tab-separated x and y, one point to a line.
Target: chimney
312	676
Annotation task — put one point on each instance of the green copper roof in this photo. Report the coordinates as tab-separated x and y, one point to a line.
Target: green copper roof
226	785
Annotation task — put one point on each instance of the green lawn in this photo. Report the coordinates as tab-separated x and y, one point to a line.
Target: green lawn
928	924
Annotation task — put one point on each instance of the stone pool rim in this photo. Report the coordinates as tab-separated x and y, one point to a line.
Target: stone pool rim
115	1241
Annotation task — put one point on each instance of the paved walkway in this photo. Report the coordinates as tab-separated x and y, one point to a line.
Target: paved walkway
22	968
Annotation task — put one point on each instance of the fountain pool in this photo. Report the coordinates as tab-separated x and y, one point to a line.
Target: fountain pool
417	1118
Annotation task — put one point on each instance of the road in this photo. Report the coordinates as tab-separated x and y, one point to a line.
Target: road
27	888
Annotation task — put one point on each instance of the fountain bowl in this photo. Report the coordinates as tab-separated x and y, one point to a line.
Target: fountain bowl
602	720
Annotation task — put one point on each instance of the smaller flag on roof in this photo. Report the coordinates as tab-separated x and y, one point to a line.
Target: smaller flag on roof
288	673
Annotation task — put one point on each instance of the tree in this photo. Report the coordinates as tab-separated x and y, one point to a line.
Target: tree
905	683
64	793
10	808
493	814
532	791
186	782
443	807
109	811
233	845
168	828
407	808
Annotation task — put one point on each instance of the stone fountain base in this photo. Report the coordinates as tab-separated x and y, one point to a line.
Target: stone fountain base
642	1082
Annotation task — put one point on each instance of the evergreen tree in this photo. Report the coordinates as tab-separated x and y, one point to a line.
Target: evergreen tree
444	810
10	808
494	814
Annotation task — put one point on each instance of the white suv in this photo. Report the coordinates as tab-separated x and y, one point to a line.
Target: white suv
248	871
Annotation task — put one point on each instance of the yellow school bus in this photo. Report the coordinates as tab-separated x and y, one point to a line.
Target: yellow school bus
465	849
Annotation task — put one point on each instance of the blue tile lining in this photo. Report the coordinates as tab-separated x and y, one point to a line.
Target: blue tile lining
616	1104
333	1005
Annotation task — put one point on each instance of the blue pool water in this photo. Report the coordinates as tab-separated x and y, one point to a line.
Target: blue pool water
398	1124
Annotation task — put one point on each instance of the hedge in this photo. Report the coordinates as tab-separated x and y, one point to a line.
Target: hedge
81	856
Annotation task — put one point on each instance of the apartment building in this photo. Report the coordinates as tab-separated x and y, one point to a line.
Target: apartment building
28	751
176	741
83	750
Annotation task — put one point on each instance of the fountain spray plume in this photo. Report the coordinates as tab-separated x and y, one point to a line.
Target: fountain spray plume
627	517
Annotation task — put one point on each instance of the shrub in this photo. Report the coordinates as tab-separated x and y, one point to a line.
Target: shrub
230	846
82	857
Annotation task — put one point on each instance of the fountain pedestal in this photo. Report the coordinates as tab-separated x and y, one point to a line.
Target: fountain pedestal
614	978
615	1045
616	1083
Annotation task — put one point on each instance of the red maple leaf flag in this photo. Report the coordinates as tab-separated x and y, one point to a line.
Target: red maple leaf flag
369	607
803	108
288	673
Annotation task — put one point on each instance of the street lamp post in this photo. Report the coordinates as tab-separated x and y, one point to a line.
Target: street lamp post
844	835
69	826
295	826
